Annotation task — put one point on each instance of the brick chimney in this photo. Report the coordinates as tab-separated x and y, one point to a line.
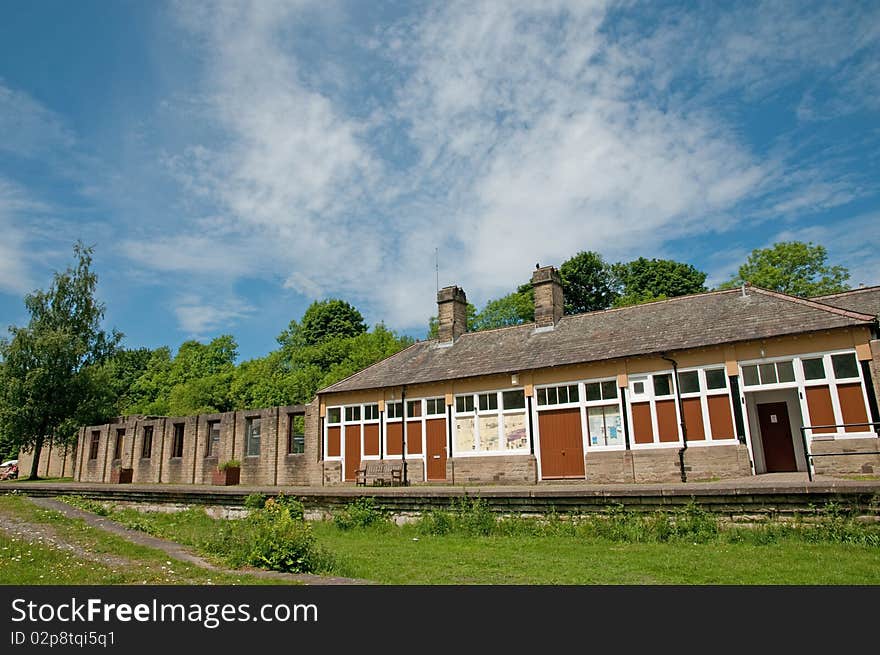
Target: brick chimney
548	296
451	314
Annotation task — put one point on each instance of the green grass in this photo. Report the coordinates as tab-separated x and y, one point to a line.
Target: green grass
119	560
27	479
405	556
563	554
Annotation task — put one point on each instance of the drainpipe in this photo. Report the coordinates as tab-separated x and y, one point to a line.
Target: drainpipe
684	434
403	432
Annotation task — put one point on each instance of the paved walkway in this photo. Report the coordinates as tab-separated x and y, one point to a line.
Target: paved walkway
180	552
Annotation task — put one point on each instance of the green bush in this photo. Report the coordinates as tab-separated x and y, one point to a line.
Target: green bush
435	522
274	538
255	501
361	513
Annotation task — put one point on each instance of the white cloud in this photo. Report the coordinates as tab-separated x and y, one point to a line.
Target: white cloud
199	318
28	128
530	131
15	208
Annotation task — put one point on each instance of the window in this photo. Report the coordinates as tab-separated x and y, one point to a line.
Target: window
352	413
558	395
493	427
513	399
601	390
785	371
117	447
394	410
845	366
177	441
689	382
814	368
638	388
252	436
772	373
333	415
371	412
716	379
147	446
296	437
413	408
750	375
488	402
93	445
604	425
435	406
662	384
213	449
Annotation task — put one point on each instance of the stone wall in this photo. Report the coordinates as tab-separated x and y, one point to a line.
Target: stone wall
56	461
846	464
662	464
504	469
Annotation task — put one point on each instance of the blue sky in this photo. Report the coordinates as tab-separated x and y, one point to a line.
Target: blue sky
233	161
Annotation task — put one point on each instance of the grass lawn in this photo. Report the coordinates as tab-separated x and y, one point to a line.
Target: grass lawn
401	555
93	556
395	557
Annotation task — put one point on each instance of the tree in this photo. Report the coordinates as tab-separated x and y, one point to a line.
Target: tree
49	381
513	309
645	280
325	319
587	283
195	381
791	267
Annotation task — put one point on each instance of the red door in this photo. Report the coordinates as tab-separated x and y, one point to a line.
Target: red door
435	448
352	451
776	437
562	446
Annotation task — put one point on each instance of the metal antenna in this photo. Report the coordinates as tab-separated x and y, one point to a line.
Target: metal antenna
437	266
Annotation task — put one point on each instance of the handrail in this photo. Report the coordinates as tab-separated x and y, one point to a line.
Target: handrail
808	456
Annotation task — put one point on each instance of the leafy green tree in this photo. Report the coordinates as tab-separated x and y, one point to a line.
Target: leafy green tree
792	267
119	373
513	309
325	319
645	280
49	380
587	283
195	381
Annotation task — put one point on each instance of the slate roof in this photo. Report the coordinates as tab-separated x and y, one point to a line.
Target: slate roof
704	319
865	300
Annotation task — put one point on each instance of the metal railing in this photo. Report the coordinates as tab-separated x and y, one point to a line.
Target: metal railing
806	442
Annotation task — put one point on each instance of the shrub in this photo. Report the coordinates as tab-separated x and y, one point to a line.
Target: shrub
361	513
274	537
255	501
473	516
435	522
231	464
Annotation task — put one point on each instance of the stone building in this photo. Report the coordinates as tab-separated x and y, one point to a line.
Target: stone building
712	385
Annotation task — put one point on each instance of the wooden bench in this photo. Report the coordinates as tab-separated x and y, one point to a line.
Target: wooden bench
379	473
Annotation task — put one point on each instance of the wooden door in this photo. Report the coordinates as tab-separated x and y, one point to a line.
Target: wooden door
435	448
562	445
776	437
352	451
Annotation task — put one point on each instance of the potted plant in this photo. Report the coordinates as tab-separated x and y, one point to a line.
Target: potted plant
227	473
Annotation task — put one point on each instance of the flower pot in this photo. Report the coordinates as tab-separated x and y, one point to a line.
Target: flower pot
226	477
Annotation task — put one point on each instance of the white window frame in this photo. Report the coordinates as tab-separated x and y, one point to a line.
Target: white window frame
582	404
802	384
703	394
651	398
500	412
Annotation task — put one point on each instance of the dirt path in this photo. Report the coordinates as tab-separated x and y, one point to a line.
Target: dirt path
43	533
